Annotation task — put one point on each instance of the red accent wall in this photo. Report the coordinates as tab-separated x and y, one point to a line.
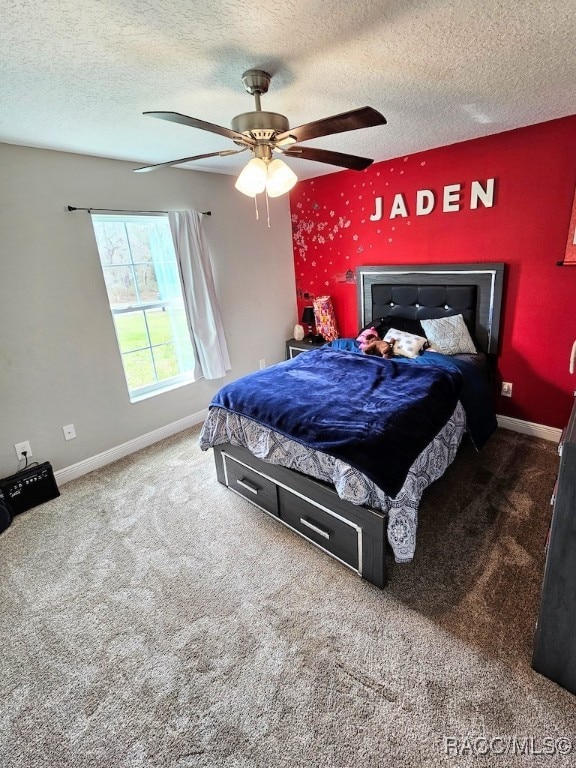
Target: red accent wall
535	172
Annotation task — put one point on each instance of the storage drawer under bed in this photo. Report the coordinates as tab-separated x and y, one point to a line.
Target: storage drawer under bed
355	535
337	536
252	485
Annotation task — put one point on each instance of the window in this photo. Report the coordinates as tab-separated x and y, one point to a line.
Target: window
145	295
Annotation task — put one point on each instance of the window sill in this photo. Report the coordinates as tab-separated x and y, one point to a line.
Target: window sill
137	398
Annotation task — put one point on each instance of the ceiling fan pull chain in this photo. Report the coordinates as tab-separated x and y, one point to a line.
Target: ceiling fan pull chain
256	206
267	208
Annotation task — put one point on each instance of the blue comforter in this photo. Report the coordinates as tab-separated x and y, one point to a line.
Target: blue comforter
475	394
375	414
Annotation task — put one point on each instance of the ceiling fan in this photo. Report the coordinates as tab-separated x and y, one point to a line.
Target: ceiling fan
265	133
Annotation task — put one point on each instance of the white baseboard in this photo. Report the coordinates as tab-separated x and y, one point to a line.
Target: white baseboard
529	428
112	454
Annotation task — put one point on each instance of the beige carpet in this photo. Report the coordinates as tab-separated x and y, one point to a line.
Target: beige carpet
150	617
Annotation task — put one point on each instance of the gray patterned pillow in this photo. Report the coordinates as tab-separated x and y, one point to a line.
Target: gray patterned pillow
449	335
407	344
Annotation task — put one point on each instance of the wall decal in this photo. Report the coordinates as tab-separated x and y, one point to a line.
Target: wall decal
348	277
475	201
426	200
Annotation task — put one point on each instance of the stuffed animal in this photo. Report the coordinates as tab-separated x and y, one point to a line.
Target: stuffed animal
380	347
367	337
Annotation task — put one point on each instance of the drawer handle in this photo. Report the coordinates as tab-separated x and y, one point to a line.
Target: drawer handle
252	487
315	528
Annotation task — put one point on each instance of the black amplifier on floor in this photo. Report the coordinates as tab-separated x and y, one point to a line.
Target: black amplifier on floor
29	487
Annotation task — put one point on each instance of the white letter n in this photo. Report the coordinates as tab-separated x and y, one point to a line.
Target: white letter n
485	196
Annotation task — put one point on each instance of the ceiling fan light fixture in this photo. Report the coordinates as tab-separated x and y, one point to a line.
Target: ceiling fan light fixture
280	178
252	179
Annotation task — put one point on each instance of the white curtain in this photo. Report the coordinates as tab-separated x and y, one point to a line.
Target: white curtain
199	294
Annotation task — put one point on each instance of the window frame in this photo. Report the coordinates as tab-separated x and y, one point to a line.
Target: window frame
141	306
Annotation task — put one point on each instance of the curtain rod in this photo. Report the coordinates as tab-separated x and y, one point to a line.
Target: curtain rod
121	210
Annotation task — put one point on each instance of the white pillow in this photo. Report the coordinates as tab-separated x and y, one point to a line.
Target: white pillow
407	344
449	335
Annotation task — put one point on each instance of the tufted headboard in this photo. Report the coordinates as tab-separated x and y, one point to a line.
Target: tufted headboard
427	291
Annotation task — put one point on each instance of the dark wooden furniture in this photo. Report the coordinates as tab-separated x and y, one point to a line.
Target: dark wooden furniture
555	642
294	347
356	535
352	534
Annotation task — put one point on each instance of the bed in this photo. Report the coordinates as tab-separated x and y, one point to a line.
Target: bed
340	446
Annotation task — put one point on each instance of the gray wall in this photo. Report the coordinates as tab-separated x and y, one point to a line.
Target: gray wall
59	361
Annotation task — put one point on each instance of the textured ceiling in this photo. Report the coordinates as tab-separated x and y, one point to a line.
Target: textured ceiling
76	75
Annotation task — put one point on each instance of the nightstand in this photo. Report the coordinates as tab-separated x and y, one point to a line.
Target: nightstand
294	347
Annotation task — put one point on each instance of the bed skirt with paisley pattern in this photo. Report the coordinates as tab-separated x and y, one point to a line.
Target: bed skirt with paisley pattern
222	426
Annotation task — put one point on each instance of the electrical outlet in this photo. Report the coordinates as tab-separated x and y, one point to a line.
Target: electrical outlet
262	363
506	390
69	432
19	447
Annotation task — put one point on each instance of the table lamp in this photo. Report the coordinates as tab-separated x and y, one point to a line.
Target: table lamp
309	320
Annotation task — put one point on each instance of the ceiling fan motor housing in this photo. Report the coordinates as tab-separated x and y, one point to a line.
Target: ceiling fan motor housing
260	125
259	131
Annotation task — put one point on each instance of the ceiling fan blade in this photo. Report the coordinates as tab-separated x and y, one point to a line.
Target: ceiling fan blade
365	117
223	153
353	162
194	122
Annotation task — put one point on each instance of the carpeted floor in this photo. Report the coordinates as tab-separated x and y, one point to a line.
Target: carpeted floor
152	618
